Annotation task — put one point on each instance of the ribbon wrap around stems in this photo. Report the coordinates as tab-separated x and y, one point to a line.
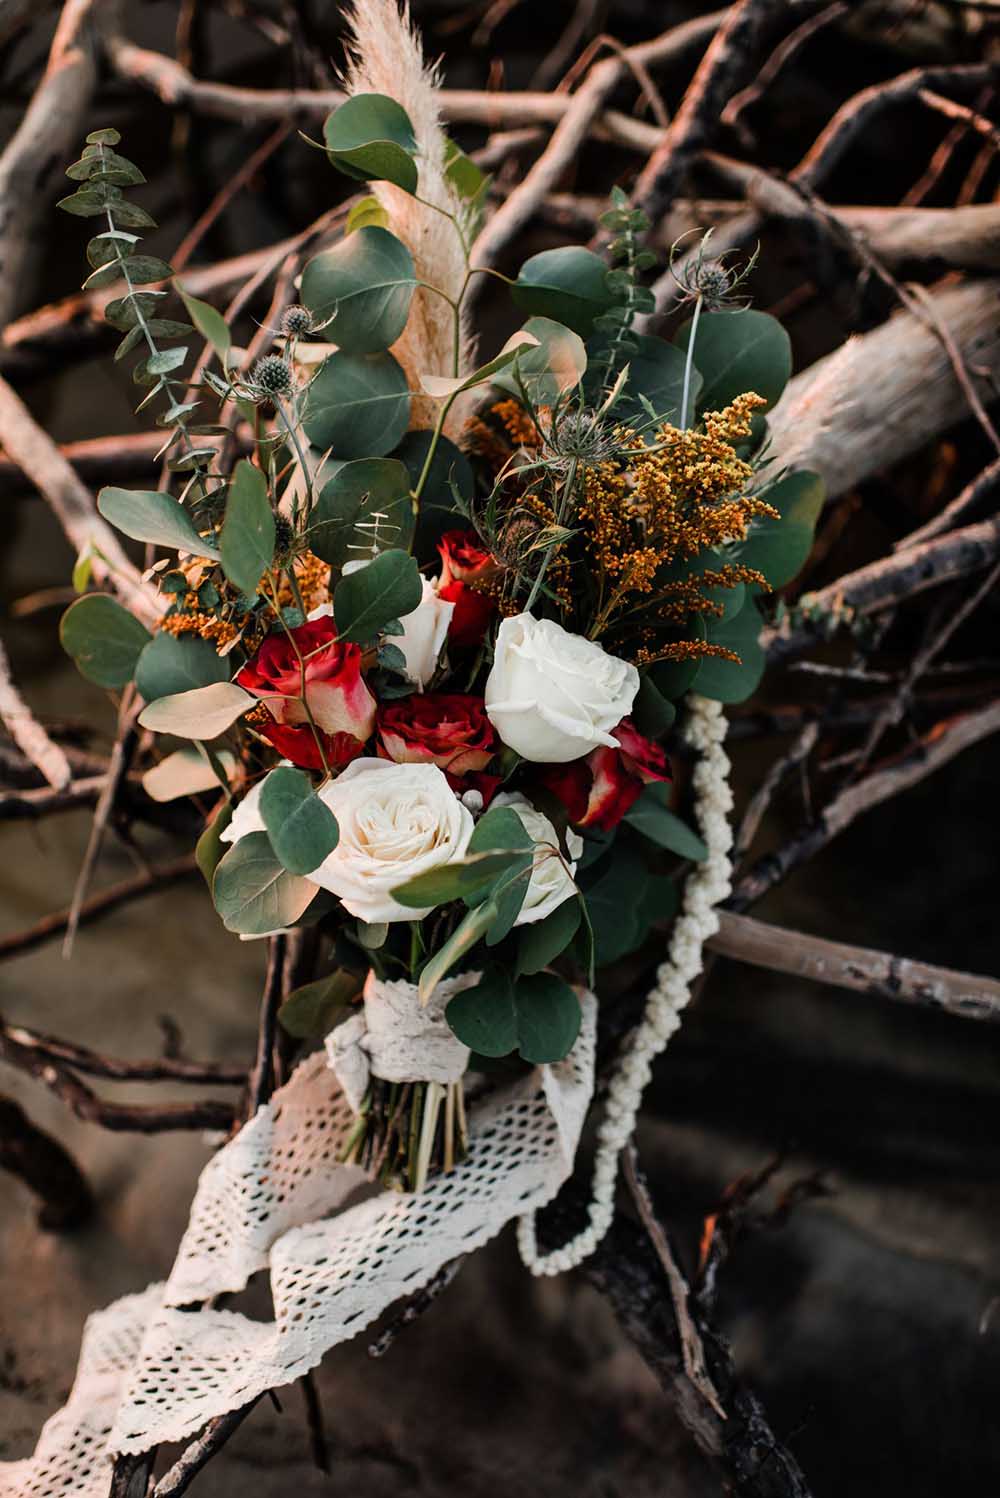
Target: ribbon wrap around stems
397	1038
263	1202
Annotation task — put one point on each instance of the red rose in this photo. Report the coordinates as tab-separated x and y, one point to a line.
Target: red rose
463	560
598	791
447	729
338	700
300	746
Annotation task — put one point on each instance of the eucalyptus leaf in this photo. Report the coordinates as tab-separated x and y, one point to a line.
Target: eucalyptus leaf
502	828
569	285
731	681
177	663
779	548
548	1018
442	387
200	714
461	879
210	323
146	515
186	772
370	138
738	351
361	290
387	588
246	544
210	849
310	1012
556	365
302	828
103	639
253	893
358	405
367	213
543	941
652	816
341	526
484	1017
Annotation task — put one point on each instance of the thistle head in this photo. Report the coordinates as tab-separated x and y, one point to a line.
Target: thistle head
272	378
712	280
296	322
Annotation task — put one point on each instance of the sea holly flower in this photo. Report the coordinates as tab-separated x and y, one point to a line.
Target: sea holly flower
553	696
552	878
598	790
340	706
396	821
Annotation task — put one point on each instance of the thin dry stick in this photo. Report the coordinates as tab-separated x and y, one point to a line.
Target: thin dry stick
28	734
962	112
934	749
760	801
779	58
116	895
963	507
692	1350
881	974
226	194
938	635
191	1461
95	1064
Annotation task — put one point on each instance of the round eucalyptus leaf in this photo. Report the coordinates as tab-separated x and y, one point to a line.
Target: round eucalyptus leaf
729	681
358	405
341	525
177	663
253	894
738	351
370	138
103	639
361	290
569	285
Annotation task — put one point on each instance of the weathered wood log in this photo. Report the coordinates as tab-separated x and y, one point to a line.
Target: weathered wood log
887	393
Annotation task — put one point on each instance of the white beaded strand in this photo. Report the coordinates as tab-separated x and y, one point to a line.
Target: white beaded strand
707	884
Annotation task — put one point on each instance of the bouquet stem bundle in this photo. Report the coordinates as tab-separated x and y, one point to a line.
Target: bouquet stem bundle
407	1131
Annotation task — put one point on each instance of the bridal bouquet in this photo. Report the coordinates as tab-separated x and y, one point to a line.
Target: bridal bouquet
423	642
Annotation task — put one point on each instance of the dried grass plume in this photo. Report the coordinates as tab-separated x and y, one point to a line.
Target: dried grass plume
385	57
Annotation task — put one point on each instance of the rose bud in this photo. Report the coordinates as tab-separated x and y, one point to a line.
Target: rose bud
335	692
598	791
463	560
447	729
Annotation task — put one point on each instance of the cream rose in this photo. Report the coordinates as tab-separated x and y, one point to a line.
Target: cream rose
425	629
551	881
553	696
396	821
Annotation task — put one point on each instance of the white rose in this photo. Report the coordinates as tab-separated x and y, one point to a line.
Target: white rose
553	696
424	634
396	821
424	630
551	881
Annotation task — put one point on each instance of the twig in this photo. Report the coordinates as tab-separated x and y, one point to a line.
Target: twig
122	751
890	580
415	1307
692	1349
191	1461
96	1064
136	1118
232	187
46	1168
261	1077
933	750
963	507
880	974
33	804
760	801
116	895
33	159
314	1422
28	734
961	112
947	619
727	59
778	59
44	466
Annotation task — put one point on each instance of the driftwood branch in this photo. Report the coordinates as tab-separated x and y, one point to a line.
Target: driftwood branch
880	974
